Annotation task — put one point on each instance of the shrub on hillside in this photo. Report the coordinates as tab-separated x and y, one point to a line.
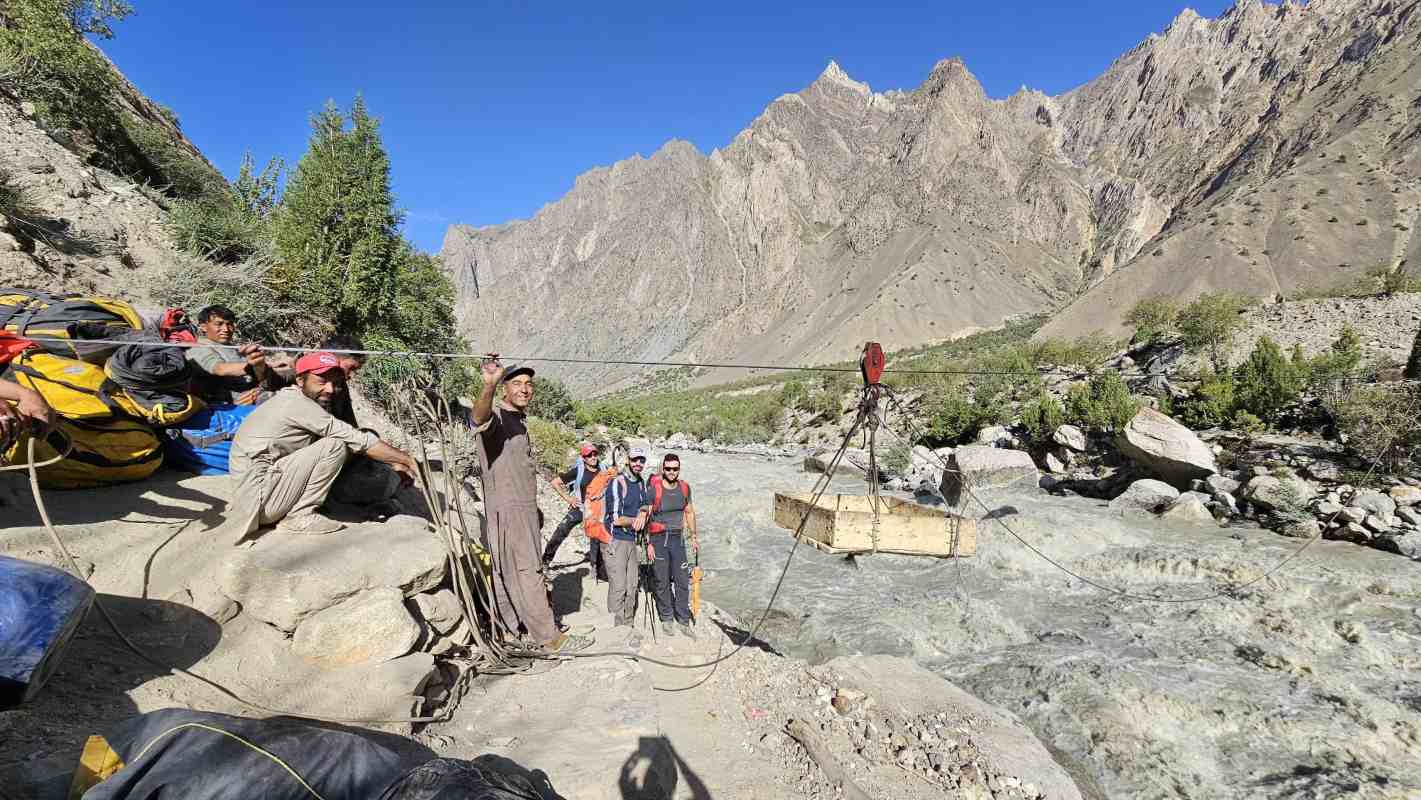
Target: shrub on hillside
162	160
953	415
1381	425
1266	382
1385	280
553	443
617	416
1153	317
1104	402
1042	416
552	401
263	315
1211	404
229	224
1209	325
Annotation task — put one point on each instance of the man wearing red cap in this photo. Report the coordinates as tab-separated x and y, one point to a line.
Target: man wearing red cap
287	453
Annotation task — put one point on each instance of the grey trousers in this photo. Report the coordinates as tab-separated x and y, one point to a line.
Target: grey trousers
514	535
299	483
623	579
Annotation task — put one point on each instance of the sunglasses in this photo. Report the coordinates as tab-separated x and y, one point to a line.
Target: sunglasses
670	469
638	461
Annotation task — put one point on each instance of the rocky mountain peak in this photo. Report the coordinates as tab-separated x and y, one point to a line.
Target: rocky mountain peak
1196	161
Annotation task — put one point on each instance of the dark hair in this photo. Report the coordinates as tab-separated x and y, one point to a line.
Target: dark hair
343	341
222	312
669	457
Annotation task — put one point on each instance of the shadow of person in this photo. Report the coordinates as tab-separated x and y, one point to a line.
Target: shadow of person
654	770
567	592
89	690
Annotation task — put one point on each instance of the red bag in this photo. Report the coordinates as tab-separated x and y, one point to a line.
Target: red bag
176	327
12	345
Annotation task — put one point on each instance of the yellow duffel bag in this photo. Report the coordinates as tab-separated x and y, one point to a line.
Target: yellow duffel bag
103	452
79	390
74	318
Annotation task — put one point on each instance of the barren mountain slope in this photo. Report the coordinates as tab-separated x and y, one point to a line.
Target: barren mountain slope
1209	156
1285	140
840	214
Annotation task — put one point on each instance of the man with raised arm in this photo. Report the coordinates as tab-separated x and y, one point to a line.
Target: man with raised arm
513	524
227	373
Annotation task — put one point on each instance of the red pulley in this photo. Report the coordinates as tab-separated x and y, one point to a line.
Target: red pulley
871	363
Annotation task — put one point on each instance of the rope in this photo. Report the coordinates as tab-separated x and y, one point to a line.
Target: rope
1224	593
32	468
258	748
1045	370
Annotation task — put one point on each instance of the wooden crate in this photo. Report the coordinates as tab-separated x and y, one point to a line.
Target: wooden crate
843	523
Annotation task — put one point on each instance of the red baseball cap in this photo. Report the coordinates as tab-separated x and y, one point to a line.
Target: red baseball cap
588	449
318	363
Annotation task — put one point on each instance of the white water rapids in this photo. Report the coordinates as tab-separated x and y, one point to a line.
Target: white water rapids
1307	685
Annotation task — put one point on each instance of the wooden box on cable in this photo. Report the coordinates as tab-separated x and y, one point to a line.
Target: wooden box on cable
843	524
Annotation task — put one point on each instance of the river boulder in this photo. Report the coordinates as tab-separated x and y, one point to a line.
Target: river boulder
1166	449
1146	495
986	468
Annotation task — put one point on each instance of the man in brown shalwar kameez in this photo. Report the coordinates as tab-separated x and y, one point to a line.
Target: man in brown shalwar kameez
513	525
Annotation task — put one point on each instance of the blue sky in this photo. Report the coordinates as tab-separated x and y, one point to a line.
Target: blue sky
491	110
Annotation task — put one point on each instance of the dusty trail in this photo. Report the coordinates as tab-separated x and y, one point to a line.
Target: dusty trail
1309	685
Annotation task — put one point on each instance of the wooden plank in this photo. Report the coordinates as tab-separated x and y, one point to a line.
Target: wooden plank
843	524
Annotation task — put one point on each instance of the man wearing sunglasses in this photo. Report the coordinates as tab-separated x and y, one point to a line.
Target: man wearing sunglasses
626	497
672	520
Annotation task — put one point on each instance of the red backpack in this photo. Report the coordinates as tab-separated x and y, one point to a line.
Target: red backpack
657	527
594	507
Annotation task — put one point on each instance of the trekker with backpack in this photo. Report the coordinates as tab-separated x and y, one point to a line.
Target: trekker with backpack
671	521
627	496
571	486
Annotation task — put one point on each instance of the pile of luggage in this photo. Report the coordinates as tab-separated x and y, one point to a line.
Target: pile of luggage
119	394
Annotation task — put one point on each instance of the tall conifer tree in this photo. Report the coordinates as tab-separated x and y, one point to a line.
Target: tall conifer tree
336	237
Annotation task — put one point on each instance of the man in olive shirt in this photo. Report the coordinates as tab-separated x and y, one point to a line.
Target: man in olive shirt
224	373
513	524
287	453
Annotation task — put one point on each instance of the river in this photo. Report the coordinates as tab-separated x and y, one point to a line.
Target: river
1307	684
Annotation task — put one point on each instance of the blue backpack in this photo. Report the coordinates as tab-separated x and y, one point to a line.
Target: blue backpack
203	443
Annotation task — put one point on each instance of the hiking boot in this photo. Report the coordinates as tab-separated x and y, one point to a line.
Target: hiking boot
309	524
634	641
567	643
687	631
666	628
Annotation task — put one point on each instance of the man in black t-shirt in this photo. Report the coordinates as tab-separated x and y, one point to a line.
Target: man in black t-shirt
576	479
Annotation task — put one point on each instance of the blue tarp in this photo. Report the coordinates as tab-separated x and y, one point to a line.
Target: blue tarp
40	609
203	443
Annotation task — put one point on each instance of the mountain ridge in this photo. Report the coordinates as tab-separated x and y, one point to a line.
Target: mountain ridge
842	214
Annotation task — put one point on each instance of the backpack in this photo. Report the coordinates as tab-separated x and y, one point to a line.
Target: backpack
594	508
657	527
70	317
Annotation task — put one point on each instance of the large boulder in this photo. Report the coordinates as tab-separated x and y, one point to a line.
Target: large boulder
1405	495
440	609
372	626
1274	493
1190	507
986	468
1146	495
853	463
1374	502
284	578
1070	436
1166	449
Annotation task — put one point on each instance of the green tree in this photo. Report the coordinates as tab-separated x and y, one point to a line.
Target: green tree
1209	324
335	231
1154	318
552	401
1267	382
229	224
1212	402
1042	416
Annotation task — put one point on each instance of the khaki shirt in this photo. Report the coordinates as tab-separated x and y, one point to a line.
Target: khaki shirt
510	476
279	427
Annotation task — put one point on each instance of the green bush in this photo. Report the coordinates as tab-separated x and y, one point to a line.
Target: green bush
1386	280
1154	318
793	394
552	401
553	443
1248	424
263	314
1211	404
1104	402
1382	425
164	161
896	459
1042	416
229	224
954	415
1266	382
618	416
1210	323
